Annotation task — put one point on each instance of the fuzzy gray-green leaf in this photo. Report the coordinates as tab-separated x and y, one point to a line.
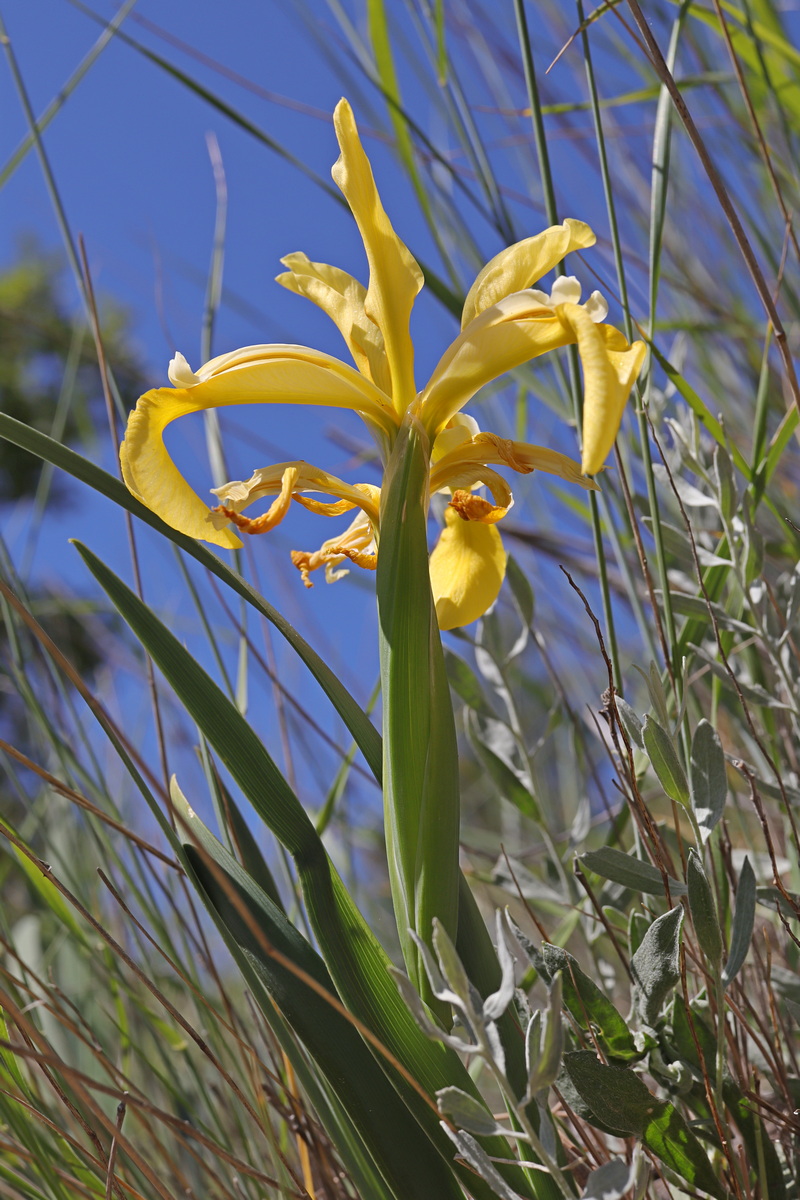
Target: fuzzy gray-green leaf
704	911
743	919
709	778
655	965
666	764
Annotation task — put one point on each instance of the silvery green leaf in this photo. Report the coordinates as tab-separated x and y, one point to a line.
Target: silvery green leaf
435	978
655	689
513	875
497	1003
727	496
451	965
468	1113
466	684
479	1160
551	1044
533	1035
709	778
743	919
655	965
631	872
664	758
611	1181
492	1036
704	912
691	496
630	722
521	590
751	691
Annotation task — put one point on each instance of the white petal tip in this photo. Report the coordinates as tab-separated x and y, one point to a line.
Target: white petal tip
180	373
597	307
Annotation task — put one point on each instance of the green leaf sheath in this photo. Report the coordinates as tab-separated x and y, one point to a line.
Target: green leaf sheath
420	771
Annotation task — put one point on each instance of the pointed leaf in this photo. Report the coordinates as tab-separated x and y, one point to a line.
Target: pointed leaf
617	1095
743	919
664	758
629	871
709	778
655	965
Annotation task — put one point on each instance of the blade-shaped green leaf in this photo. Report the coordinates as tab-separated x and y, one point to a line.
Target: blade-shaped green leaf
81	468
404	1154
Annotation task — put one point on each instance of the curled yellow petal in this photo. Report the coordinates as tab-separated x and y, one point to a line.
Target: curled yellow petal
522	457
342	297
467	568
357	543
394	275
522	264
474	508
257	374
288	481
610	367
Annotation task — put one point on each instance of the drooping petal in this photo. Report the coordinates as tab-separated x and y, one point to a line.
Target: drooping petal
357	543
467	568
522	457
394	275
465	475
296	479
257	374
506	335
342	297
518	266
610	367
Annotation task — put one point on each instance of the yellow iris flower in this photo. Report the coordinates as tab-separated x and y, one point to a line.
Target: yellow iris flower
505	323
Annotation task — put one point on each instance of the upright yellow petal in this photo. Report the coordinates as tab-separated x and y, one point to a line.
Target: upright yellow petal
610	367
506	335
256	375
342	297
394	276
467	567
521	265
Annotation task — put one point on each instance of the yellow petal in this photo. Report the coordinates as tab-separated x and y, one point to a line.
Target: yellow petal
467	567
610	367
342	298
506	335
519	266
522	457
258	374
468	475
394	276
357	543
297	478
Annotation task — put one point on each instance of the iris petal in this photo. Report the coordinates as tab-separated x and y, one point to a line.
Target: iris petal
610	367
519	266
259	374
467	568
342	297
394	275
